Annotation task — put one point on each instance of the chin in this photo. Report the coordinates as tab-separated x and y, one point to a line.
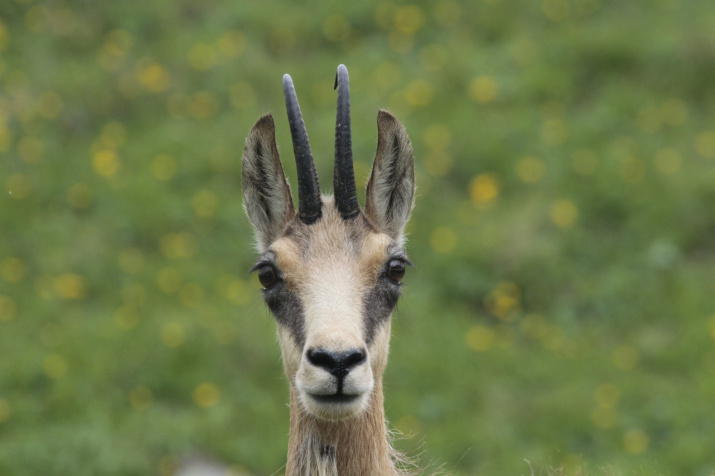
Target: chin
335	407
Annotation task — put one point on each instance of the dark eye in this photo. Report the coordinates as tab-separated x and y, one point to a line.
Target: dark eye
396	270
267	276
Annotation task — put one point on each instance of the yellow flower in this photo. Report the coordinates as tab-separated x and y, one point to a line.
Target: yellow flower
530	169
437	137
55	366
480	338
705	144
141	398
8	308
503	299
483	89
443	239
71	286
625	357
106	162
674	112
564	213
234	289
114	135
163	167
191	295
13	269
336	28
409	19
232	43
668	161
484	188
18	186
202	56
30	149
604	418
173	334
607	395
126	318
79	196
419	93
50	105
207	395
554	132
154	77
556	10
636	441
178	245
202	105
242	95
169	280
584	161
205	203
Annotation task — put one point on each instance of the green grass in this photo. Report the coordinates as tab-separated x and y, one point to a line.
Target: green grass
561	310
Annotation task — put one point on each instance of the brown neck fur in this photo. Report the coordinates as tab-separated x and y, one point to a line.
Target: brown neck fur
358	446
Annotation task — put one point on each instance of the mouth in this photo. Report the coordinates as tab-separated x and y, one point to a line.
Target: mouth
329	398
336	398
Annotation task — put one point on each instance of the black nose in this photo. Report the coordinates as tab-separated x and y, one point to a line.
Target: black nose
337	364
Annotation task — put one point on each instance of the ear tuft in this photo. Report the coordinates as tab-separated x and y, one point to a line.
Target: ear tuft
391	188
266	193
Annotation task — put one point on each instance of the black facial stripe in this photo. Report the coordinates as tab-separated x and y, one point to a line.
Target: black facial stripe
378	304
287	310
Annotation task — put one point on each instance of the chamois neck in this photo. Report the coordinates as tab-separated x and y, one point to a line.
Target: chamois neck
358	446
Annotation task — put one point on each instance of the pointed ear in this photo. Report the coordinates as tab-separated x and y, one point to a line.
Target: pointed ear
266	194
391	188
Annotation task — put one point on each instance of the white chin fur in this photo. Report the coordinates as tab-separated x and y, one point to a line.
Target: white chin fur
335	411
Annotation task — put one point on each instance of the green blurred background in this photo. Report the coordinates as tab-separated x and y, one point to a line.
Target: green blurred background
562	310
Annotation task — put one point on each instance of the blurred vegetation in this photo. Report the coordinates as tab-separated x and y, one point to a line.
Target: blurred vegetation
562	307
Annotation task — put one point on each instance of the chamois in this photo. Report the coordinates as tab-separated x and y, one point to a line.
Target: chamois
331	274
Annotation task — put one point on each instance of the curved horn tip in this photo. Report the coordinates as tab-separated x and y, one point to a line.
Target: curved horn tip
341	73
287	80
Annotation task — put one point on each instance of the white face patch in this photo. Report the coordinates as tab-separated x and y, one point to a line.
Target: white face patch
334	326
332	351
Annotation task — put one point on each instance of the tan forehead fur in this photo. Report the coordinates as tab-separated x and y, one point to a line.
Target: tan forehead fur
349	245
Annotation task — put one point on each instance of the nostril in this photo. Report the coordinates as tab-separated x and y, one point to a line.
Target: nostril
353	358
322	359
337	364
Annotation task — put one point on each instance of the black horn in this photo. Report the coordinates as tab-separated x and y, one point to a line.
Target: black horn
309	203
344	177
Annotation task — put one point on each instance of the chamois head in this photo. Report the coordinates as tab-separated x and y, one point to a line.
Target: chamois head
331	271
